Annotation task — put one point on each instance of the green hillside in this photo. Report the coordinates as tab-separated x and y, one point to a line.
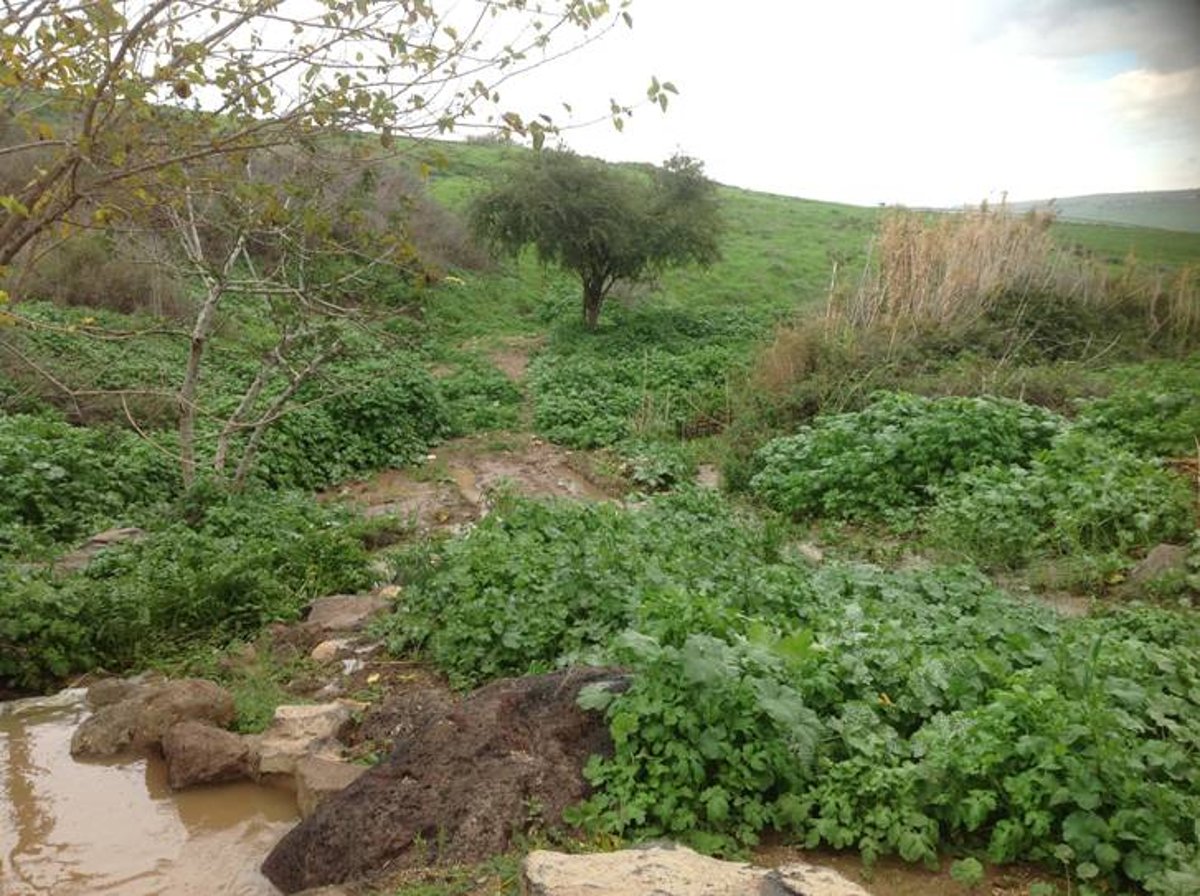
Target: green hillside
1165	210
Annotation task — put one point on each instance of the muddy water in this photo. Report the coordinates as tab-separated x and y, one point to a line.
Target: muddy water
70	828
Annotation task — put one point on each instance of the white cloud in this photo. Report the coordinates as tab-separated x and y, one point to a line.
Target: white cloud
922	103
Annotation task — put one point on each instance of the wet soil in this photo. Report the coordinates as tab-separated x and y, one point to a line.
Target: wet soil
453	487
894	877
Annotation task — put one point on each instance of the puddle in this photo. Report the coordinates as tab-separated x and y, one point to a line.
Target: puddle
70	828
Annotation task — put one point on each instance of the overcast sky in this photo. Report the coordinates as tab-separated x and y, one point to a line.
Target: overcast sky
917	102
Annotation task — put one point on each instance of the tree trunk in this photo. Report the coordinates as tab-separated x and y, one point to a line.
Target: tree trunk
593	297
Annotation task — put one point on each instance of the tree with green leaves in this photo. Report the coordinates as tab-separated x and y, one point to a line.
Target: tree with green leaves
604	223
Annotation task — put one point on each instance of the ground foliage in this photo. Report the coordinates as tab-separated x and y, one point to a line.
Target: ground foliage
892	712
1154	408
59	483
213	568
997	481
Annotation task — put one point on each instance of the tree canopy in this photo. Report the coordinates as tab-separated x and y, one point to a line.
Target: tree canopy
601	222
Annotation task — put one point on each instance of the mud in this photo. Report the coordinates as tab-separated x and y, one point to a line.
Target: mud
70	828
454	486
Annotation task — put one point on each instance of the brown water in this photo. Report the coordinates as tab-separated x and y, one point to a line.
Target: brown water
70	828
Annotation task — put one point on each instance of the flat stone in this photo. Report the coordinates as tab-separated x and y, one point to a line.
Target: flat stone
197	753
296	732
318	778
82	555
345	612
328	649
671	870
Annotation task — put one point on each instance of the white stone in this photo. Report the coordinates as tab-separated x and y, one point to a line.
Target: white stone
299	731
669	870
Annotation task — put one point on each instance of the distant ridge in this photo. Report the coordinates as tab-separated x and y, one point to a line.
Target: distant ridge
1166	210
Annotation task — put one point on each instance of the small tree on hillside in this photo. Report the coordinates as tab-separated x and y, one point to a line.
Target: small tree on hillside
601	222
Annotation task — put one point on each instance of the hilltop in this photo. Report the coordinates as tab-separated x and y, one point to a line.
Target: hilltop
1164	209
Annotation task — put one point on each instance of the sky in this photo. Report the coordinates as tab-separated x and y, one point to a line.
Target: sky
914	102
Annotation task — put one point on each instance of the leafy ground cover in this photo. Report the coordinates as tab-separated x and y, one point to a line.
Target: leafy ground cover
847	706
212	568
995	481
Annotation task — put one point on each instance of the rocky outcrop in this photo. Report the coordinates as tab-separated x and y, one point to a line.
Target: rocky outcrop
142	717
197	753
670	870
458	787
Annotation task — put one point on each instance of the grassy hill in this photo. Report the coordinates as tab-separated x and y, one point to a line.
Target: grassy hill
1166	209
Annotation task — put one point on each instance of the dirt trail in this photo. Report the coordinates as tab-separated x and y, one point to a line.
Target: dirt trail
452	488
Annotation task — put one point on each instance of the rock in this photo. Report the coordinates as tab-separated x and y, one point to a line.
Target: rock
82	555
317	778
328	649
670	870
801	879
299	731
708	476
810	552
1163	560
344	612
197	753
143	718
108	691
457	788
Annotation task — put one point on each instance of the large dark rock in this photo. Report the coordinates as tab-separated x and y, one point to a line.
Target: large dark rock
456	788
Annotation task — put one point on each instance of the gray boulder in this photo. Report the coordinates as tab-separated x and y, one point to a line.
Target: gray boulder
142	718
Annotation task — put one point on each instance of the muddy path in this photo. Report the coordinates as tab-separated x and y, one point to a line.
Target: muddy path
458	480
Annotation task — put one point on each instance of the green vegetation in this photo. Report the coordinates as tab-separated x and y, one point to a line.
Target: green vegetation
892	456
214	568
1003	425
848	706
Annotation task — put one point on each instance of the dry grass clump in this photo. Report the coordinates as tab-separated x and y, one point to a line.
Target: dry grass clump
977	302
956	271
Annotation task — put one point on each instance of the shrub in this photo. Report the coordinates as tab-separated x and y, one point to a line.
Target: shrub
1154	409
59	483
535	583
103	270
381	414
1083	495
886	460
479	397
224	568
655	373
